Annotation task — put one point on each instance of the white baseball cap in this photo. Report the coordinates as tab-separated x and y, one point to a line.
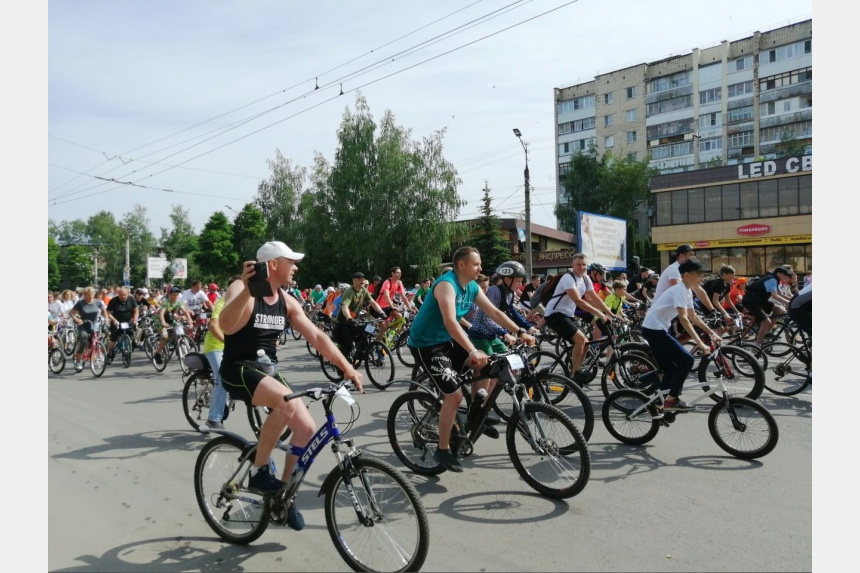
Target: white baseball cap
274	249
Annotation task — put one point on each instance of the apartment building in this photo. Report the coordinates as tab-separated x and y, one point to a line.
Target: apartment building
738	102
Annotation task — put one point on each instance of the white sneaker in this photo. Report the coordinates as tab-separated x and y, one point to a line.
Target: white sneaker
79	367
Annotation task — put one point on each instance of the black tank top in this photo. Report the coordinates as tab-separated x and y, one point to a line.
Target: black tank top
261	331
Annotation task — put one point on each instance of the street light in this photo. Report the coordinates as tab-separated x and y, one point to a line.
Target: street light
528	205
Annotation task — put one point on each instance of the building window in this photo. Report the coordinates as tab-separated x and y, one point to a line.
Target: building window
664	209
768	108
788	198
607	98
740	89
633	156
741	64
609	142
631	115
669	82
807	47
710	119
804	185
749	200
609	120
805	101
584	102
711	144
668	105
631	92
710	96
731	202
574	126
740	113
800	130
631	137
713	204
786	105
696	205
679	207
786	79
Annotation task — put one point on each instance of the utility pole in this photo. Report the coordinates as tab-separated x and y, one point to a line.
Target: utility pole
528	206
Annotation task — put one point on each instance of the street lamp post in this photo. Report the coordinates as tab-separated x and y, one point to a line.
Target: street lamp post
528	205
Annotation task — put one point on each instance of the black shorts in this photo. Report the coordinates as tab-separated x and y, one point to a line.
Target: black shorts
115	331
388	310
757	309
240	378
563	325
445	363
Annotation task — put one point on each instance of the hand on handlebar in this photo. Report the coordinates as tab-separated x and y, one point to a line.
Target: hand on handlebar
355	377
478	359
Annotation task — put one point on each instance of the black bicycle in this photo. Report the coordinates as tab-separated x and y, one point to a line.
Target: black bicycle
793	373
376	356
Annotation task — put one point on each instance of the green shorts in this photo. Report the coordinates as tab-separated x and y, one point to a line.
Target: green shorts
489	347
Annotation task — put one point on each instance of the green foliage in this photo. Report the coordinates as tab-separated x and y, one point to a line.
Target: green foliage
76	266
108	239
250	232
487	236
278	198
54	274
217	257
180	241
790	146
141	242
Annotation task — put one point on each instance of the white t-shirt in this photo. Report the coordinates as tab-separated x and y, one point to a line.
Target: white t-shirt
664	309
194	301
671	273
566	306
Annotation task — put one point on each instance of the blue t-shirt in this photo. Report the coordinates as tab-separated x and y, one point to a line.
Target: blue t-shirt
428	328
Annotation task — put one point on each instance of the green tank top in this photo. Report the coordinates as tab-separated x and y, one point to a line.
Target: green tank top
428	328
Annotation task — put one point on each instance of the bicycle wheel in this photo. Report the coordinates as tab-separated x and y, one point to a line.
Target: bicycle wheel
256	417
740	372
56	360
196	398
70	339
124	349
402	350
567	396
623	425
232	511
544	361
777	349
98	359
379	365
184	345
789	377
150	343
282	337
756	351
413	431
630	370
558	465
757	435
394	534
330	371
296	334
311	350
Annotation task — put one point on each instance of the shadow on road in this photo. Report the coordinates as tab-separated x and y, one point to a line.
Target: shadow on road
136	446
502	507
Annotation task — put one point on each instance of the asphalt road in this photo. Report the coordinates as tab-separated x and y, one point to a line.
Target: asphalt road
121	497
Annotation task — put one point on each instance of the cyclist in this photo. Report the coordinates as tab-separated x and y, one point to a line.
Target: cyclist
760	297
441	346
195	299
212	295
389	289
422	292
353	300
718	291
169	312
213	349
121	308
597	274
671	356
574	296
251	324
671	276
85	313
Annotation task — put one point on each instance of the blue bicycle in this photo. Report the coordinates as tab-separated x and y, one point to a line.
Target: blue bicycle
373	513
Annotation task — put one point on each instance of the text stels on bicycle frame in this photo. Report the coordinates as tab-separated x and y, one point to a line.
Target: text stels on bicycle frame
325	434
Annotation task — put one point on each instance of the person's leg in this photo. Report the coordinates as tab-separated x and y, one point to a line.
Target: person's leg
293	414
672	358
219	394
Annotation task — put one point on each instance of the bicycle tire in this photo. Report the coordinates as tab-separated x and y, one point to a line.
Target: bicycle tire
256	417
760	428
165	357
561	467
616	417
70	340
124	348
185	345
789	377
56	360
413	431
567	396
402	350
776	348
98	359
215	464
399	537
747	381
196	399
550	362
295	333
329	370
756	351
282	337
631	370
379	365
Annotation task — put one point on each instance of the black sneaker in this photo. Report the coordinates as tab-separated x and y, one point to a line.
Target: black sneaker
492	421
109	358
294	518
581	378
265	482
676	405
448	460
214	425
158	358
491	432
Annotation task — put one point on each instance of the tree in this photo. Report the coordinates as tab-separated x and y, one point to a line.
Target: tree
69	232
790	146
250	232
54	274
487	236
142	242
217	257
76	266
180	241
108	238
278	199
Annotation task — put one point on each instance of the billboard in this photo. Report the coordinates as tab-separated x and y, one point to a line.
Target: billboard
155	267
603	239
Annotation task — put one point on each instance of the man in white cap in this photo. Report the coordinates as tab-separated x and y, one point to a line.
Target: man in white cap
251	324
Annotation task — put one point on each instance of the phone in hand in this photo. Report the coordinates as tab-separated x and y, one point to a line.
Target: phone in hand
258	284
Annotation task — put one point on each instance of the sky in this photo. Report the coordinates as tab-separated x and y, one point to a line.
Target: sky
189	100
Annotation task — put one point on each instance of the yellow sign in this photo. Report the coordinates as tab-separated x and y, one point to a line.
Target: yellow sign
750	242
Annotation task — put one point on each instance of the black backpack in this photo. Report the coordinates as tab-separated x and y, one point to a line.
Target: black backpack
377	294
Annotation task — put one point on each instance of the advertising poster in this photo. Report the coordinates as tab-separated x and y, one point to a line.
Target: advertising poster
603	239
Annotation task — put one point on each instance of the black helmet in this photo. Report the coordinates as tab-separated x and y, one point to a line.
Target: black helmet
511	269
598	268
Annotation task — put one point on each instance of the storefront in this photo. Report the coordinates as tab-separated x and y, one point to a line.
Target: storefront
753	216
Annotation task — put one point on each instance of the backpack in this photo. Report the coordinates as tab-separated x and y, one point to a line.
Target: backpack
377	294
544	292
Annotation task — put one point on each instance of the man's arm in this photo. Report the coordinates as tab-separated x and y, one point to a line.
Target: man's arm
501	318
703	297
583	304
238	302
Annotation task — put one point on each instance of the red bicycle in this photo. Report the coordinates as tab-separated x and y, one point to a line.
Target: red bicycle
95	352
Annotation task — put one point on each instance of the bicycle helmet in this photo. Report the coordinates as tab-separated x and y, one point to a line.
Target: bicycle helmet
342	287
511	269
597	268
